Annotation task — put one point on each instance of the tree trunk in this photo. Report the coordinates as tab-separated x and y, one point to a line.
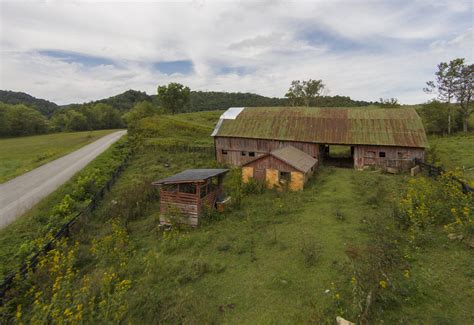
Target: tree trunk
464	124
449	122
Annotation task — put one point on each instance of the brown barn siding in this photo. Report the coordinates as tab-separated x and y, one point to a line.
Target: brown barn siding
397	157
235	146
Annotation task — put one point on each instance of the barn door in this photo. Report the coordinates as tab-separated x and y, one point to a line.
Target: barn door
259	174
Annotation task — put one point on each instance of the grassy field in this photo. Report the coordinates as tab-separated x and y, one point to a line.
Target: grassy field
20	155
455	151
276	257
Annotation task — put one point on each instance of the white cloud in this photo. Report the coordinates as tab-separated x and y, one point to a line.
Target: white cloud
396	45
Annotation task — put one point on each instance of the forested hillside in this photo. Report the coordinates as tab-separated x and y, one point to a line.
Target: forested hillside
43	106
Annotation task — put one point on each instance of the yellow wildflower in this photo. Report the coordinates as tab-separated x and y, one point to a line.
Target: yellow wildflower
383	284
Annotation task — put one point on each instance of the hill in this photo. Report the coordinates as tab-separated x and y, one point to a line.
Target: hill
43	106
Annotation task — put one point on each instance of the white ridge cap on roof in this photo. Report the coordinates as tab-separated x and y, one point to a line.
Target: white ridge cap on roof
229	114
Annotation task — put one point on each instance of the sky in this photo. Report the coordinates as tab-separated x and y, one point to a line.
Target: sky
78	51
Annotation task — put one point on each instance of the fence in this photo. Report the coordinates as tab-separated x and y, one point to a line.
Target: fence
64	231
435	171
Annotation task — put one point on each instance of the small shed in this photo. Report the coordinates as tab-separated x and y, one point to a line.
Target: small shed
285	167
184	195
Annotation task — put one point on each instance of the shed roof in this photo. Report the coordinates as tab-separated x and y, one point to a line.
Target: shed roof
293	157
370	126
191	175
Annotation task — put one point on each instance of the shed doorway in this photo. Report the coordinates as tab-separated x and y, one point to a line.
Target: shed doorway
339	156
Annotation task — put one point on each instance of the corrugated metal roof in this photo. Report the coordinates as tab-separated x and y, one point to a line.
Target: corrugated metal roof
371	126
191	175
295	157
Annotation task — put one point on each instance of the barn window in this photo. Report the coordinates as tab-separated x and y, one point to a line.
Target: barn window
187	188
382	154
224	152
251	154
243	153
285	177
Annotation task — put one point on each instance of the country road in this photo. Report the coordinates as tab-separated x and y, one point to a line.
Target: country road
20	194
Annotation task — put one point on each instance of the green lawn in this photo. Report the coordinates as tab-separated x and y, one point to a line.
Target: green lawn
20	155
455	151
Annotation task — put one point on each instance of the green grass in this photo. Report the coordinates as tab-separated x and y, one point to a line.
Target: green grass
20	155
254	263
18	238
455	151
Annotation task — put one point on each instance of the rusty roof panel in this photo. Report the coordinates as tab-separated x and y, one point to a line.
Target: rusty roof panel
371	126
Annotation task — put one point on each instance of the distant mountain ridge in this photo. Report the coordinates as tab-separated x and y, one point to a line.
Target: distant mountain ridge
44	106
199	101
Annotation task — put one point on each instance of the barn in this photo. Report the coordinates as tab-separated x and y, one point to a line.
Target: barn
185	195
377	137
286	167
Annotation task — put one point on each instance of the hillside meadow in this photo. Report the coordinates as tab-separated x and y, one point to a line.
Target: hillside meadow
348	245
22	154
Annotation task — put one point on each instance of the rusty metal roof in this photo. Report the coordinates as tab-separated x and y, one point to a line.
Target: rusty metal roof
190	176
295	157
370	126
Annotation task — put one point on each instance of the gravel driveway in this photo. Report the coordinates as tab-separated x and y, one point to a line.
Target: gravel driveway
20	194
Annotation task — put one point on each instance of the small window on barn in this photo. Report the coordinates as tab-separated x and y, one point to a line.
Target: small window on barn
382	154
243	153
187	188
402	155
251	154
285	177
224	152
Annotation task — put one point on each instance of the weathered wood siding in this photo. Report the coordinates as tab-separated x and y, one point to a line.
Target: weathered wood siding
396	157
229	150
272	168
187	205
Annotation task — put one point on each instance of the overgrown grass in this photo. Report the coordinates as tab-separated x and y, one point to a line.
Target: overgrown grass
275	257
19	239
20	155
455	151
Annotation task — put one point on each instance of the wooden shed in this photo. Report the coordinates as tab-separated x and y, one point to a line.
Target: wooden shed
377	137
184	196
286	167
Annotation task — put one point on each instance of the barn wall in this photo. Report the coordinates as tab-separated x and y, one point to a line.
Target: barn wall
184	203
396	157
235	146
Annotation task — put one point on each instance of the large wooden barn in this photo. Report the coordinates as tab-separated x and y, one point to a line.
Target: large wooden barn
377	137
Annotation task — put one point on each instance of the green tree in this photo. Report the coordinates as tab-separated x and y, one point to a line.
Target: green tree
389	102
445	84
463	91
174	97
139	111
76	121
305	92
295	93
435	117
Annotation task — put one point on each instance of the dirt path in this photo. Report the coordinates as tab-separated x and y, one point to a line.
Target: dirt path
20	194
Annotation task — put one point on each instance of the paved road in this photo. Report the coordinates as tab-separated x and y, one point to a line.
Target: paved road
20	194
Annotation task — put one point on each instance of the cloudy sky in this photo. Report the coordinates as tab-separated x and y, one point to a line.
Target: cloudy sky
76	51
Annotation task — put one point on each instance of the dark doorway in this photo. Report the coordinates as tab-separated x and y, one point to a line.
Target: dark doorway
339	156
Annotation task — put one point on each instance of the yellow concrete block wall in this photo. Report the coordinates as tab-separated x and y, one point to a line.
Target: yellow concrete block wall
247	174
272	177
297	181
